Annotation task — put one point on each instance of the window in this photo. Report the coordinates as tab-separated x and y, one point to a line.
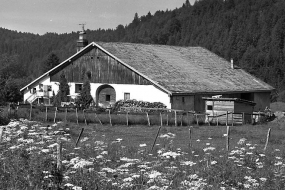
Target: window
49	88
183	100
41	86
127	96
78	88
209	107
108	98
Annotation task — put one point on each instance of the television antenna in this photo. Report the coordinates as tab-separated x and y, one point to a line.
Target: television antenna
83	24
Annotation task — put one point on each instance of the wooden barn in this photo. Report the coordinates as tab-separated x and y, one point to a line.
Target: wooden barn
225	107
177	76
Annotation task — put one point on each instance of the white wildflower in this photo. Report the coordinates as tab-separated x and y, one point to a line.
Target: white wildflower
142	145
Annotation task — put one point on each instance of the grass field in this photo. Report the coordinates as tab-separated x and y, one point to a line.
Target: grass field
120	157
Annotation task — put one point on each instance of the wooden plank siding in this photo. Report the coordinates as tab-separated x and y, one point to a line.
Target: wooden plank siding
222	107
103	68
182	102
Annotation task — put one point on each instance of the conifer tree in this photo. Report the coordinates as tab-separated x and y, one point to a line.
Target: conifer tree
85	97
62	92
50	62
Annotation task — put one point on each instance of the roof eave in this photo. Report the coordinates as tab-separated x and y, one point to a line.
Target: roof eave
220	92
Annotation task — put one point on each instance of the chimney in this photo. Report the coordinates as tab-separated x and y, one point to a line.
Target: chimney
82	41
232	64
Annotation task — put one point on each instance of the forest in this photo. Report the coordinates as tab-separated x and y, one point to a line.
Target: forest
251	32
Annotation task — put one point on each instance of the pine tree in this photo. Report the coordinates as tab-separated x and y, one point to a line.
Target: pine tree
62	92
50	63
85	97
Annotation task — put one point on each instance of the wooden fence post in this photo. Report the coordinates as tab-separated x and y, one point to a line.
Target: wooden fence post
31	108
217	118
227	117
181	123
85	121
232	118
190	137
59	154
160	119
166	119
55	114
127	114
197	119
46	114
228	138
155	138
110	117
148	121
79	136
243	120
65	114
267	138
76	115
1	132
175	117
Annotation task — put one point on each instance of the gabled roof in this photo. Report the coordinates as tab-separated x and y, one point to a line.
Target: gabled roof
178	69
185	69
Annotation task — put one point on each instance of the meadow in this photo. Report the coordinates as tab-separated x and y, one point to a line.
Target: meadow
123	157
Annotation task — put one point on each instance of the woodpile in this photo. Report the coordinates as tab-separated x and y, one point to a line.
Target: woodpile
135	106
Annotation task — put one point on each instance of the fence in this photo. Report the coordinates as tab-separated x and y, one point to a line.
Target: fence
235	118
149	116
129	116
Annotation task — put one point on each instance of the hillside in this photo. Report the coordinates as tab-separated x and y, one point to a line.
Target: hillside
251	32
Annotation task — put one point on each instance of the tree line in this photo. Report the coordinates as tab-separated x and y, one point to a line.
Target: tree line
251	32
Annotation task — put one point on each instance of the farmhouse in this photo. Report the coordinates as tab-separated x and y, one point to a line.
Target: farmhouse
177	76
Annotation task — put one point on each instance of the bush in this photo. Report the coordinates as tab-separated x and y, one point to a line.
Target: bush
4	120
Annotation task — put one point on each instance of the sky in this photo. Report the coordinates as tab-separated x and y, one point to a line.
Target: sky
64	16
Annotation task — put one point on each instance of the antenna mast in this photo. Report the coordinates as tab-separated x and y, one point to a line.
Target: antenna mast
83	24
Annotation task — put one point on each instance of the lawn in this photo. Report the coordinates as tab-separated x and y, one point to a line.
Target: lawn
120	157
140	134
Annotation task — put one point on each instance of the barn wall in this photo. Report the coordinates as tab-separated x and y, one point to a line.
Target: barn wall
220	108
187	105
246	108
262	99
102	92
200	103
103	69
242	107
139	92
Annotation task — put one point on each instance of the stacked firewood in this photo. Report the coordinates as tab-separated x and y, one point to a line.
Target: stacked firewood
136	106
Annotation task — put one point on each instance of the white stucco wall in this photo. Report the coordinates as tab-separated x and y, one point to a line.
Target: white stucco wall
139	92
44	81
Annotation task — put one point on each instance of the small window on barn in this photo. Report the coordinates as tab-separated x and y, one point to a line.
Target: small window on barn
49	88
183	99
127	96
209	107
78	88
108	97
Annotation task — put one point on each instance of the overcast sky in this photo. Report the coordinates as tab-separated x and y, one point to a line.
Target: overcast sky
63	16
